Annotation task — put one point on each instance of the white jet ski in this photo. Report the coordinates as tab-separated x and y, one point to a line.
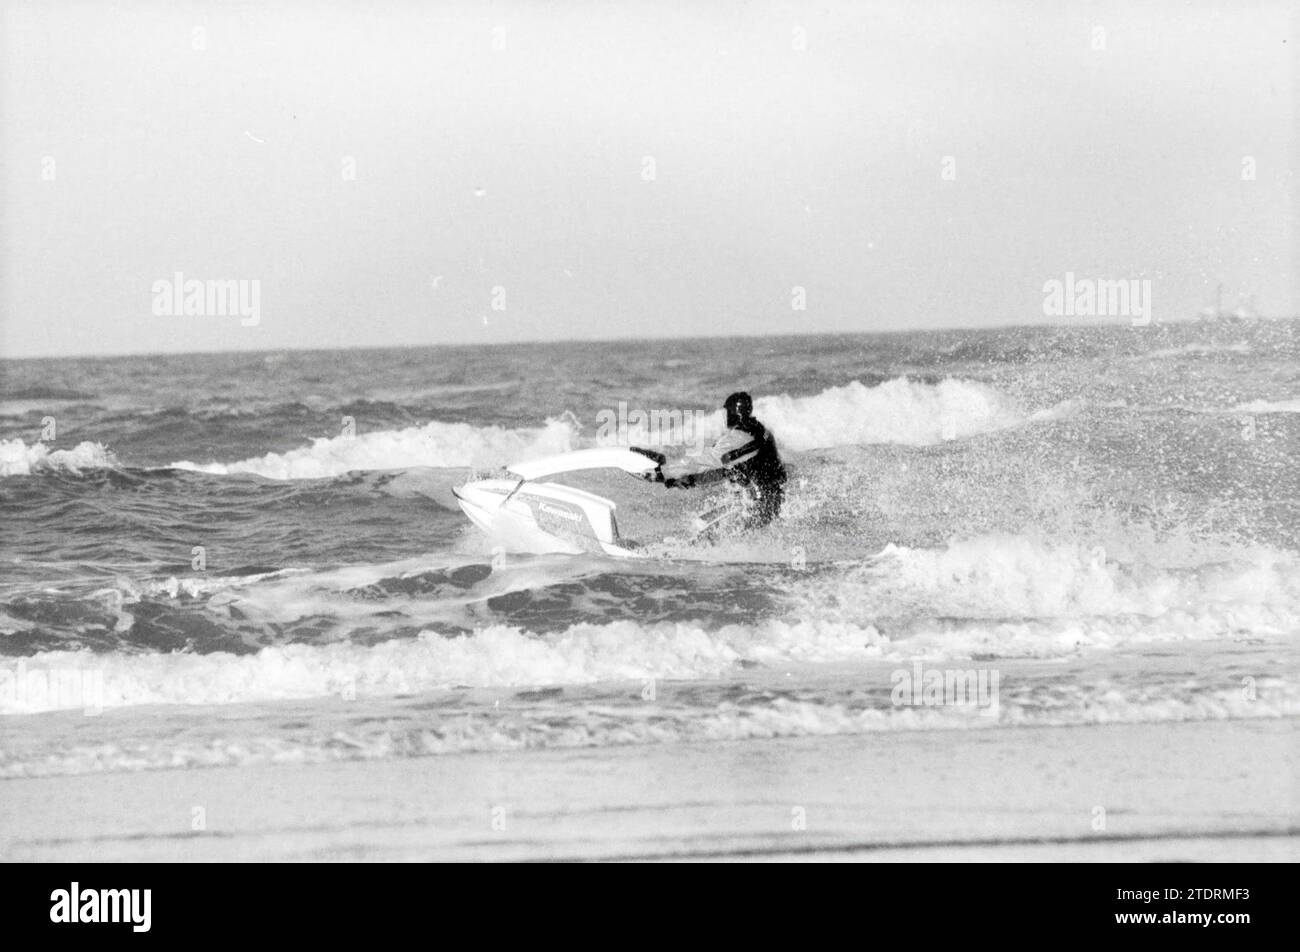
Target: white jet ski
559	518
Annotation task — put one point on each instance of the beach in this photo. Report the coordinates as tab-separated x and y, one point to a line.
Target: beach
1170	792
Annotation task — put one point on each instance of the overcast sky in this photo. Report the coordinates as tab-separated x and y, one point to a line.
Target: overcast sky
381	167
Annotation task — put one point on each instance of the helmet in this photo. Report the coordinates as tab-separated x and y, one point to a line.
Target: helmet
739	407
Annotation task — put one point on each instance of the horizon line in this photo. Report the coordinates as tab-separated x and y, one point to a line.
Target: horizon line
1093	323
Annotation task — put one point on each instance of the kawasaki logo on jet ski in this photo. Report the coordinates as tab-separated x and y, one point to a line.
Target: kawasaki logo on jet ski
562	513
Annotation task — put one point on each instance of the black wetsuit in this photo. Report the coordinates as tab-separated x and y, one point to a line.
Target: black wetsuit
762	475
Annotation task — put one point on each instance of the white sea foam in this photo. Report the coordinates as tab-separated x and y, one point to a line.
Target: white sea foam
433	444
896	411
333	731
1011	596
19	459
1187	350
1268	406
495	656
985	598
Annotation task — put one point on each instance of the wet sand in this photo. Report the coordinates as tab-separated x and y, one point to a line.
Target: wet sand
1221	790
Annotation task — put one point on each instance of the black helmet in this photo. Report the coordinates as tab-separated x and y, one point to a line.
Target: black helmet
739	407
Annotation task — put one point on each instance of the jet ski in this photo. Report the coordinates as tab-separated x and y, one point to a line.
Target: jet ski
552	516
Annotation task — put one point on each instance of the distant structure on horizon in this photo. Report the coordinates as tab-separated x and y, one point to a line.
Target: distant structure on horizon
1244	311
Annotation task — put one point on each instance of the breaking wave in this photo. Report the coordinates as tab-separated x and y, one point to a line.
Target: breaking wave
19	459
433	444
897	411
980	599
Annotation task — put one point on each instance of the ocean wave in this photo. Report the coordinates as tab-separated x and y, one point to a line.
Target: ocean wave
1291	405
982	599
495	656
1012	596
19	459
432	444
898	411
632	716
1190	350
42	392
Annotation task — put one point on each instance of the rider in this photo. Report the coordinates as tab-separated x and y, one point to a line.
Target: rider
745	454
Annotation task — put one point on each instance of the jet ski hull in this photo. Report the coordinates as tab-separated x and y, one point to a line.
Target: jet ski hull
540	516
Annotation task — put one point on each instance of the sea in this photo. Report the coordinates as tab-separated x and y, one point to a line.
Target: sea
256	558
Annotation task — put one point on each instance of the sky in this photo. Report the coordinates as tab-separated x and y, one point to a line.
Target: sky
400	173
